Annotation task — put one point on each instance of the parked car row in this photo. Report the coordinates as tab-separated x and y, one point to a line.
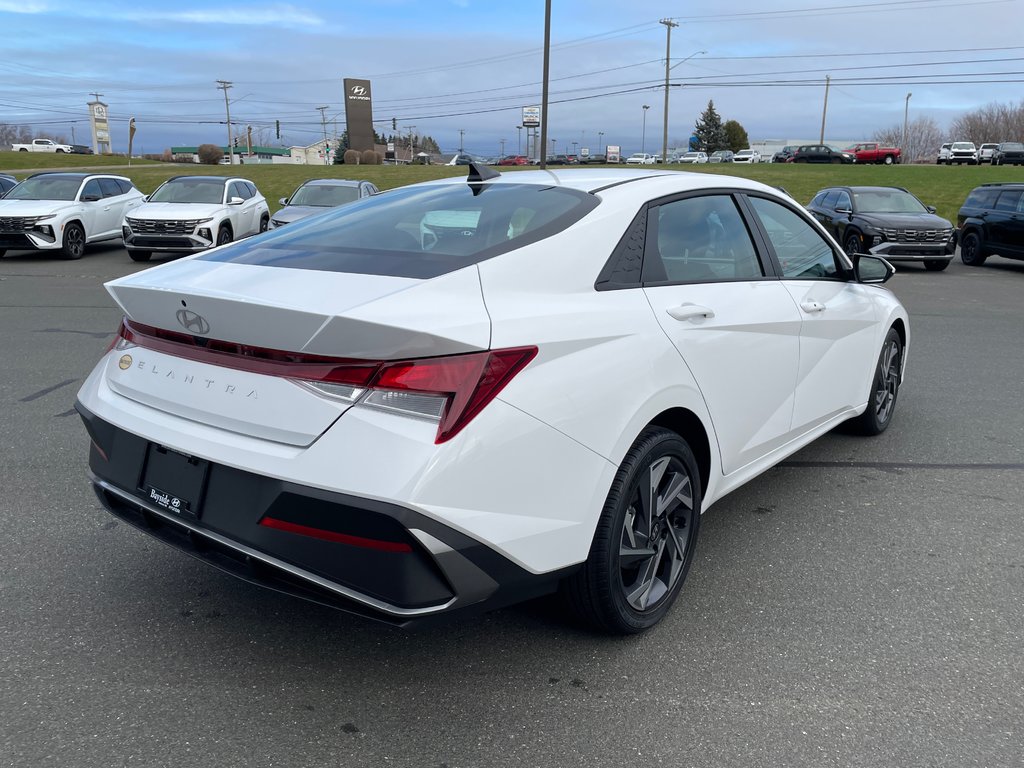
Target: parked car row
960	152
66	211
893	223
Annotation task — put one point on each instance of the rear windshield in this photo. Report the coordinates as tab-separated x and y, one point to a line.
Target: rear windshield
324	195
420	231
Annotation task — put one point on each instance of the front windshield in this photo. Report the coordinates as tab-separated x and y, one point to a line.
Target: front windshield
323	195
1014	145
963	145
46	188
887	201
189	191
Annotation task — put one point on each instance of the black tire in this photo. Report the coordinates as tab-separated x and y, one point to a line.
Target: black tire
23	150
936	265
59	151
852	242
637	565
3	252
73	244
888	160
971	250
264	223
836	160
885	386
140	255
224	235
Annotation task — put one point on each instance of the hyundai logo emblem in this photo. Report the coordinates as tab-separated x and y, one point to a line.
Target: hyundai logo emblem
193	322
358	90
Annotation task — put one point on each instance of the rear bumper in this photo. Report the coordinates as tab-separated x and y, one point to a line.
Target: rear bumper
376	559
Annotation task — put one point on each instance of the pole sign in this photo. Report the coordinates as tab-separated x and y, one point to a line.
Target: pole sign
613	153
100	127
359	114
531	117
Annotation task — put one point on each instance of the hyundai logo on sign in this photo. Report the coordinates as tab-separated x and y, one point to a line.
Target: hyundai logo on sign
359	93
358	90
193	322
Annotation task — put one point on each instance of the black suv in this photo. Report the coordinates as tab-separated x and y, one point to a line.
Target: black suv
991	222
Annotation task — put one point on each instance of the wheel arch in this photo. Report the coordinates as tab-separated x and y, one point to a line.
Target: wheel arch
74	220
688	426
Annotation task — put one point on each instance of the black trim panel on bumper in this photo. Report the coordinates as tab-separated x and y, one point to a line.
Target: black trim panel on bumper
427	569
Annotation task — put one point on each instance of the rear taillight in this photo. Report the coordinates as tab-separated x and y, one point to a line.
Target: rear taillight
450	390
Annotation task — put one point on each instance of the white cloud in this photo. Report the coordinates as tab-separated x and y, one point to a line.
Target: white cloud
6	6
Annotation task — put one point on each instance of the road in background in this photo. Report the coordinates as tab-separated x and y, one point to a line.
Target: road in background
860	605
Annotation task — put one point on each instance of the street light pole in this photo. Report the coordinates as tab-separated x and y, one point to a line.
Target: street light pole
668	48
906	109
544	85
600	140
519	141
643	134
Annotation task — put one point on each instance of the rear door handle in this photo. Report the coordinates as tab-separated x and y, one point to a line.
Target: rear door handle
690	311
812	306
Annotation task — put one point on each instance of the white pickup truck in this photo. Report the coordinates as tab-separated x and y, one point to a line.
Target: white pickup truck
42	145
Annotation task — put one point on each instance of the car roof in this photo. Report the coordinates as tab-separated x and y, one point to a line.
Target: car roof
223	179
594	180
77	175
333	182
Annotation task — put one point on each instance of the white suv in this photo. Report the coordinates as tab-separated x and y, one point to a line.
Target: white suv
958	152
985	153
65	211
188	214
640	158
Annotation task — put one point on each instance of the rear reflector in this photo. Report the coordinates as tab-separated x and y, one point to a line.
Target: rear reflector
334	536
451	390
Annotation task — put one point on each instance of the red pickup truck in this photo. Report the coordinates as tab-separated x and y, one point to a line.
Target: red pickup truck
873	152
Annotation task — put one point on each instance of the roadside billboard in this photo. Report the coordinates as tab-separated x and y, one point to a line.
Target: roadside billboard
531	117
613	153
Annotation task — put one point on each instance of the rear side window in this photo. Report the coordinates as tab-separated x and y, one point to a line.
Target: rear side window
1009	200
110	187
418	232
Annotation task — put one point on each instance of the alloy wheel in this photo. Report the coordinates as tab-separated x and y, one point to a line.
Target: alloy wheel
656	534
888	381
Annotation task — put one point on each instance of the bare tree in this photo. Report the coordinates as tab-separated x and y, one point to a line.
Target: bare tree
991	123
922	141
14	134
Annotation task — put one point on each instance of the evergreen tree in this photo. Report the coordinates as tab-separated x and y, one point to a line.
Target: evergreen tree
709	130
735	136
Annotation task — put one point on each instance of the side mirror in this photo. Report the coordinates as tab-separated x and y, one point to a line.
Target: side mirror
930	208
235	201
871	269
90	198
283	201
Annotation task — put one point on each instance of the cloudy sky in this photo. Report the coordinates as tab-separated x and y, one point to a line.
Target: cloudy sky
448	65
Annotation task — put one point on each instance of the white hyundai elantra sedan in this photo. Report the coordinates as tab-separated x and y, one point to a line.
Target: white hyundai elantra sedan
464	393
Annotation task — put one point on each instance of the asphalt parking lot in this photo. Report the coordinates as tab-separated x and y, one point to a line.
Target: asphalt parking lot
860	605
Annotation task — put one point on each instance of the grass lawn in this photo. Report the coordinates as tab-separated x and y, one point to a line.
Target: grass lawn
22	163
945	187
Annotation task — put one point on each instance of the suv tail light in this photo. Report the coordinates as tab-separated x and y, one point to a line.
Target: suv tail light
451	390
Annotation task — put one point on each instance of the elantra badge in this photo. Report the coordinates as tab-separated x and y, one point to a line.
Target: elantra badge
193	322
125	362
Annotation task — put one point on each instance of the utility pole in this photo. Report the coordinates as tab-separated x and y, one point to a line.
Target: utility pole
906	109
224	85
600	140
544	87
502	142
519	143
462	132
668	49
412	146
323	122
824	110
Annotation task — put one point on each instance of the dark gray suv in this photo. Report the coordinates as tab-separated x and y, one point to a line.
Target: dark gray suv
991	223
